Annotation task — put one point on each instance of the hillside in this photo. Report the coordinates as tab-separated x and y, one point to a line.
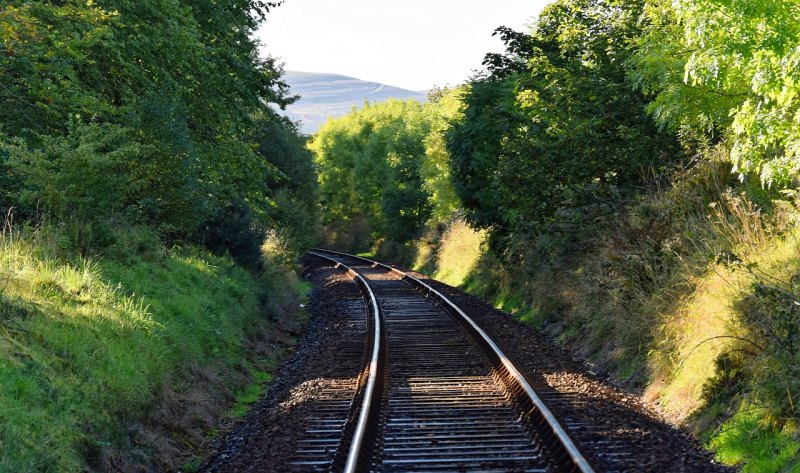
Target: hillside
331	95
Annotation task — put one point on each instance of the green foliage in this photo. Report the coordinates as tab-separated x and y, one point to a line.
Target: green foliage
178	89
233	230
657	67
293	187
40	72
287	202
253	392
83	174
169	191
370	166
476	144
443	107
296	219
729	67
772	314
554	130
744	440
384	169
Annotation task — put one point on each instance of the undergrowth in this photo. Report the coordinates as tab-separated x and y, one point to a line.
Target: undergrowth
120	360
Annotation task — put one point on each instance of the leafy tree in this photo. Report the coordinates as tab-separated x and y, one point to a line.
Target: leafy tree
443	106
292	187
183	79
370	167
553	129
728	68
478	142
40	71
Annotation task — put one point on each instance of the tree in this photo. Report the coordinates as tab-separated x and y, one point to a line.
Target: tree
728	68
554	129
184	79
443	106
370	167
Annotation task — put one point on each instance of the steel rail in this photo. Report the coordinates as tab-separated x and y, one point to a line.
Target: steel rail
354	455
578	461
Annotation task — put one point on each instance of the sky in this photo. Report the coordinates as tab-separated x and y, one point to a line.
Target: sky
413	44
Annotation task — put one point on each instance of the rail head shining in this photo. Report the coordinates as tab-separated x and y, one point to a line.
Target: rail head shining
579	461
359	435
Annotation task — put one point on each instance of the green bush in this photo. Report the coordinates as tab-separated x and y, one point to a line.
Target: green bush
295	218
233	230
82	175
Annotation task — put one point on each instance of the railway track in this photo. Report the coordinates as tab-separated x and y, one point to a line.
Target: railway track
435	393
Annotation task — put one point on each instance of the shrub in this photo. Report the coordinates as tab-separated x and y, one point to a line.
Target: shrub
83	174
233	230
295	218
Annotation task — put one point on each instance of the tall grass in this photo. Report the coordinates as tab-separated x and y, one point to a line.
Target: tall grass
459	252
89	346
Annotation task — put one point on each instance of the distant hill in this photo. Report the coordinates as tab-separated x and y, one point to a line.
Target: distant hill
332	95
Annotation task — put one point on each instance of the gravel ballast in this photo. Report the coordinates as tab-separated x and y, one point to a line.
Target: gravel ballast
614	428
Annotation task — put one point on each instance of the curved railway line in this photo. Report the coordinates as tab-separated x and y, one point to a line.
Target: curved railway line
435	393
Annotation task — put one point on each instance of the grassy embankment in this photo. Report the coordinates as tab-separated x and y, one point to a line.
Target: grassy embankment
129	360
666	295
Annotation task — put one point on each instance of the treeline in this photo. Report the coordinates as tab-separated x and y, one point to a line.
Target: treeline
625	160
150	112
603	93
585	108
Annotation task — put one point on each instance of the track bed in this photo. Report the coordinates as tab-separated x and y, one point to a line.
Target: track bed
441	398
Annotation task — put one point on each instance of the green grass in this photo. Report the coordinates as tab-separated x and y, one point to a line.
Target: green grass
744	440
252	393
259	380
303	287
86	344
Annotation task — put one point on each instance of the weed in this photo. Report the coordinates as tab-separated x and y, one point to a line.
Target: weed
458	253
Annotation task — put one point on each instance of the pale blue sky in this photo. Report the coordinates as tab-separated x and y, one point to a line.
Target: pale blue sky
413	44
